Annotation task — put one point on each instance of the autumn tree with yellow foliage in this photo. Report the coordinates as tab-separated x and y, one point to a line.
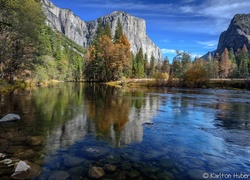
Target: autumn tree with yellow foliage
107	59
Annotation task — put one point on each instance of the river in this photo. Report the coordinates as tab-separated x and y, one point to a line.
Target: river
66	129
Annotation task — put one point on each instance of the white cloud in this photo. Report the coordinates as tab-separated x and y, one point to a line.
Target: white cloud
186	9
208	44
168	51
225	8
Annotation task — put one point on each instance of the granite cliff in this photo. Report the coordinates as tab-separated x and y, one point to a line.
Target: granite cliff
83	32
237	34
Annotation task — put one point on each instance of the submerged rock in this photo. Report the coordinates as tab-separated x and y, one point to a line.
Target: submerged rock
96	172
25	154
2	156
34	171
21	171
10	117
71	161
109	168
59	175
95	152
34	140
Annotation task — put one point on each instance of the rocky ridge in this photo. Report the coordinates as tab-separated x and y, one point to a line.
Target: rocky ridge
83	32
237	34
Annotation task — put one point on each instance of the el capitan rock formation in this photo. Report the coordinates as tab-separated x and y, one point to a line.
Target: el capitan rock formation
83	32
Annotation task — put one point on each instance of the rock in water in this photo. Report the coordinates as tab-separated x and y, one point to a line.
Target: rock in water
59	175
10	117
21	171
96	172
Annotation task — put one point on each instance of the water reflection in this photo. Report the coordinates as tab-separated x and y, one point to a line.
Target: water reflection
118	114
71	127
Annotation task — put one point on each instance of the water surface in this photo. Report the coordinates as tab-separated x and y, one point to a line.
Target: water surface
143	133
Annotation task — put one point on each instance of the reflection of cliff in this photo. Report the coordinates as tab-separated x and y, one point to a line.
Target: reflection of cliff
67	134
118	115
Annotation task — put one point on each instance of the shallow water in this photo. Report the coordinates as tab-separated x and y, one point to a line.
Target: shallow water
143	133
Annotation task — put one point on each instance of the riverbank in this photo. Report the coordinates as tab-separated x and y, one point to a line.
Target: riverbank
5	87
172	83
176	83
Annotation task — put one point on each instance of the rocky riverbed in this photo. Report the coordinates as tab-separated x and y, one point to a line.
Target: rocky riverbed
89	161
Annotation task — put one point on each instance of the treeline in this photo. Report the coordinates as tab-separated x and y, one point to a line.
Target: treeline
196	73
29	49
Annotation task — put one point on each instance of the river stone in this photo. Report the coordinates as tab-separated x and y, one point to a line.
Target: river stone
10	117
167	163
122	175
126	166
77	170
25	154
96	172
195	174
133	174
165	176
6	167
113	159
35	170
59	175
71	161
21	171
95	152
109	168
34	140
2	156
149	171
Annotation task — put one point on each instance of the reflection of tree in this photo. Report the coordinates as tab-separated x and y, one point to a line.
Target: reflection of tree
118	114
58	103
233	115
43	108
107	109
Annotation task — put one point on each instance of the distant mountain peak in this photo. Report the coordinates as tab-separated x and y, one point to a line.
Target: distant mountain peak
237	34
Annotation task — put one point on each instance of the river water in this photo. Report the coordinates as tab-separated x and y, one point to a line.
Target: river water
66	129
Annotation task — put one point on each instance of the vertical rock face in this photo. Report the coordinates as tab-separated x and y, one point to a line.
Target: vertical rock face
83	33
66	22
237	34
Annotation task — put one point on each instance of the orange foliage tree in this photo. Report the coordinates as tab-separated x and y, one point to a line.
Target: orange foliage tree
108	61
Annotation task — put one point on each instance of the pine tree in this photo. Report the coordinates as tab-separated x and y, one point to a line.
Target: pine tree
244	62
152	66
146	64
233	70
118	30
176	68
107	30
165	66
140	64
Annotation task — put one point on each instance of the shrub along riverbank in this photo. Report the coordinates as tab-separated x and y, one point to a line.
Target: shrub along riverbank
177	83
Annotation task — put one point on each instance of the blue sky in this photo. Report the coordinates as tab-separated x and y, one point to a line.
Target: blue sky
193	26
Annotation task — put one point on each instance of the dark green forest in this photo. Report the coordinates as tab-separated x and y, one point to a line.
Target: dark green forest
30	50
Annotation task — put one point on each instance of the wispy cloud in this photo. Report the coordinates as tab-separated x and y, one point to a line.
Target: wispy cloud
168	51
208	44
